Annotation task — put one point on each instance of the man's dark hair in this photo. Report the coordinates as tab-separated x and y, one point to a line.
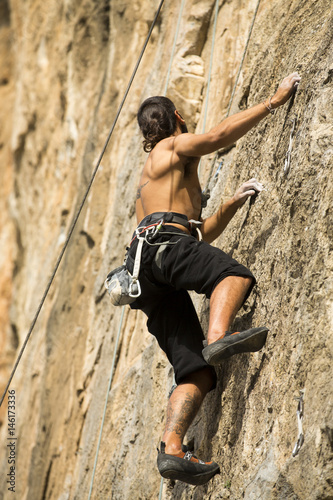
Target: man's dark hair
157	120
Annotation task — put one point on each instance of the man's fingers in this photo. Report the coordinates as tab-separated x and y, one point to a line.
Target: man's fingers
246	194
291	80
296	80
295	75
251	192
249	188
254	184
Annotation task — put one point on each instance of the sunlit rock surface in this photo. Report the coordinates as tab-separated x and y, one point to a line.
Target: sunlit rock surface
64	69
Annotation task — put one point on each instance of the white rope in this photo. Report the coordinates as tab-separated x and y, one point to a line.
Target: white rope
106	399
164	93
161	489
243	57
299	417
123	308
290	147
209	75
235	84
174	47
210	65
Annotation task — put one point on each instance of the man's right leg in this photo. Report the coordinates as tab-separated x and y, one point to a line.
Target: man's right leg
225	302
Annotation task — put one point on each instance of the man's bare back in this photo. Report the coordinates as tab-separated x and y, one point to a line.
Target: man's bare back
169	183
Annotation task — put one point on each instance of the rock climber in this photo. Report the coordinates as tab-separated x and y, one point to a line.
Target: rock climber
174	259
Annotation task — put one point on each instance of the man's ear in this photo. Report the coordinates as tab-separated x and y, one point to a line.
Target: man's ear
179	117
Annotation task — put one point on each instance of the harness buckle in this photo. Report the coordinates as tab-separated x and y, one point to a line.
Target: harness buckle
194	225
134	288
152	232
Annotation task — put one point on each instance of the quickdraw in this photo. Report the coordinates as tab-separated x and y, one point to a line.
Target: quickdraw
299	414
288	154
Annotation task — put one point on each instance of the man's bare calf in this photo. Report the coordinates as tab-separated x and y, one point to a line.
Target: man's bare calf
183	405
226	300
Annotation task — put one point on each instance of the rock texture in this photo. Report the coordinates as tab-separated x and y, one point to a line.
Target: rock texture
64	68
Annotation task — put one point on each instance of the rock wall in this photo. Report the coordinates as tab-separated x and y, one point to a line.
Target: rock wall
64	68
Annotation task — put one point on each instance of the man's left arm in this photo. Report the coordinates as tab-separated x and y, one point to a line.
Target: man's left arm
213	226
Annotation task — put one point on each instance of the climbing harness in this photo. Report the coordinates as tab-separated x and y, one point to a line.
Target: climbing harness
299	416
288	154
124	287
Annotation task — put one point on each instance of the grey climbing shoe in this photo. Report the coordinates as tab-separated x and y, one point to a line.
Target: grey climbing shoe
234	343
185	467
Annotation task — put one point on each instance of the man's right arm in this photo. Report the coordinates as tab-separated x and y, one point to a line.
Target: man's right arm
214	225
234	127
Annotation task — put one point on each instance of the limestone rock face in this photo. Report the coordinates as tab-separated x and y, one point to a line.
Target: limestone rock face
64	67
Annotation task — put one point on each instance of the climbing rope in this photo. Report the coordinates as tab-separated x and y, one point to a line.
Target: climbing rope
233	91
123	308
210	65
209	75
106	399
173	47
288	154
243	57
80	209
299	417
164	93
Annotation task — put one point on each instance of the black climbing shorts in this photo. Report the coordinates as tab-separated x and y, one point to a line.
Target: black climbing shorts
184	263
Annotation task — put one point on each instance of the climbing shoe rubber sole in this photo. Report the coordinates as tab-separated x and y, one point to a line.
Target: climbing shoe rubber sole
251	340
176	468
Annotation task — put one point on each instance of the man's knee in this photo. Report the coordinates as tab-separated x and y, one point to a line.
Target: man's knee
234	282
204	379
249	280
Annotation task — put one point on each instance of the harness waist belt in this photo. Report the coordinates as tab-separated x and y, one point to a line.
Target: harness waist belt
168	217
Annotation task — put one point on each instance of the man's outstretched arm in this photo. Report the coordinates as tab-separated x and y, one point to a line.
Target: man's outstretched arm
235	126
213	226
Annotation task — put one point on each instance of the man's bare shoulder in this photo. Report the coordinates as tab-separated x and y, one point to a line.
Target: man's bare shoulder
166	144
173	142
171	145
162	159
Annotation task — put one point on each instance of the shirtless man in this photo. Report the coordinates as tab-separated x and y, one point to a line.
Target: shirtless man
174	261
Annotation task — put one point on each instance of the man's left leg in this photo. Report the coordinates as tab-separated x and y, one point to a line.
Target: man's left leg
176	326
183	405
